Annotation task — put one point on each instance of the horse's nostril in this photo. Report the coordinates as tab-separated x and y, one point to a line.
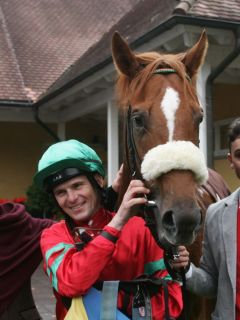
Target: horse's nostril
168	221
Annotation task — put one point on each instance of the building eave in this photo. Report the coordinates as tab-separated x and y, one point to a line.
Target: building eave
165	26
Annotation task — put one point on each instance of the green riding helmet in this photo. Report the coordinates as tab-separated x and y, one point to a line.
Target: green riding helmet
65	160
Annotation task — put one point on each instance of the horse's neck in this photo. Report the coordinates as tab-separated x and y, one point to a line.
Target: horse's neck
212	191
216	186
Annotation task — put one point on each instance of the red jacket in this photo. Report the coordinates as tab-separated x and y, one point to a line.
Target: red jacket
73	272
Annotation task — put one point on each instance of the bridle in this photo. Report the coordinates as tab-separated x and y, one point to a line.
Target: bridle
148	209
134	163
133	156
134	159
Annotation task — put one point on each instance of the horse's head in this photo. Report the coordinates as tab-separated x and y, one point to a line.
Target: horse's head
163	115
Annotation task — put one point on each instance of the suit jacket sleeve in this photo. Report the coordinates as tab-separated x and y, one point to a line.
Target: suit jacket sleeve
204	278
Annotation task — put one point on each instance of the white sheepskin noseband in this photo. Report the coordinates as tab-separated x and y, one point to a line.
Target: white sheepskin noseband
175	155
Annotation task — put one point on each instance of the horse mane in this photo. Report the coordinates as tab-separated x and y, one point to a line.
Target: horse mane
149	61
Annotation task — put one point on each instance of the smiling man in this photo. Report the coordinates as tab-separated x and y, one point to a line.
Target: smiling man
77	198
93	244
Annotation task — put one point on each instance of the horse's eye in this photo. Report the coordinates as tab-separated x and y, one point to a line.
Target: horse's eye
200	117
138	120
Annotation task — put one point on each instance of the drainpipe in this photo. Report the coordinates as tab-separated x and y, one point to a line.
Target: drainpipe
43	125
209	95
183	7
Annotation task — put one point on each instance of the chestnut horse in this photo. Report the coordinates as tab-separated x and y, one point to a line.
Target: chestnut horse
157	94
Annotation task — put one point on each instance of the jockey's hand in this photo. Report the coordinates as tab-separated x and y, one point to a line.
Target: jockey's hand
182	261
134	196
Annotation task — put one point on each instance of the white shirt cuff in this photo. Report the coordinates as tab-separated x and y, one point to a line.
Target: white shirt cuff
189	273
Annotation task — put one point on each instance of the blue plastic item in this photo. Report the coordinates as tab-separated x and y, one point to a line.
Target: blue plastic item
92	304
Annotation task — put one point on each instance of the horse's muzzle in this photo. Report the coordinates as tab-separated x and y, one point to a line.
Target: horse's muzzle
180	226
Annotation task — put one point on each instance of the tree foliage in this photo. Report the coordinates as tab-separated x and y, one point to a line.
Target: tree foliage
41	204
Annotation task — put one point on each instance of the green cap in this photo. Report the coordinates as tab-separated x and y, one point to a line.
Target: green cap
64	155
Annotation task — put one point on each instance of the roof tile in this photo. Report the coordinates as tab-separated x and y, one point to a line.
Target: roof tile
49	35
227	9
44	44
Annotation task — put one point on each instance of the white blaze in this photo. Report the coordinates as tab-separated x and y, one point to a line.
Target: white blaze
169	105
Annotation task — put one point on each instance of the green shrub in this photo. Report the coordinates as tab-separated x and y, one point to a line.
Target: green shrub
41	204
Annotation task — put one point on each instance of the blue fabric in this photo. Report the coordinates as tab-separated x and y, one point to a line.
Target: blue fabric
92	304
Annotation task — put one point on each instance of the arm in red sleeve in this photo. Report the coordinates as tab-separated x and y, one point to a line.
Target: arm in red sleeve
72	273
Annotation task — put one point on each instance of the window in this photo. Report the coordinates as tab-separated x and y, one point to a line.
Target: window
220	137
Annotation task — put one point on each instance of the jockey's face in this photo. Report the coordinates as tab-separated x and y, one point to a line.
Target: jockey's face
234	156
77	198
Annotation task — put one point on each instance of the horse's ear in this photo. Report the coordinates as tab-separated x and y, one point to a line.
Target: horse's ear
194	57
123	58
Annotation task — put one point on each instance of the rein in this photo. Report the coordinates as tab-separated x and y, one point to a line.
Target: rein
133	158
133	161
134	165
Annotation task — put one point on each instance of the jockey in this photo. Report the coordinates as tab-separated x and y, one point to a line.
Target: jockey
92	244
